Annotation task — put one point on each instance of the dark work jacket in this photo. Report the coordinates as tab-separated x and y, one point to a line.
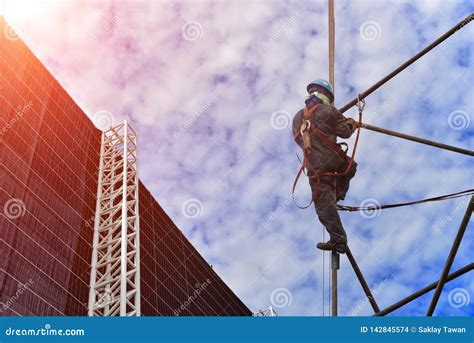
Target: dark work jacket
331	123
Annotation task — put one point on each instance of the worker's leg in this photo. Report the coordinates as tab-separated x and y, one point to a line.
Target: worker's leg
326	209
342	182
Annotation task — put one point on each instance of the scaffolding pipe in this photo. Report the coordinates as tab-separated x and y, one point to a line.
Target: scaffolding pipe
372	89
332	34
451	256
418	139
335	262
424	290
332	44
364	285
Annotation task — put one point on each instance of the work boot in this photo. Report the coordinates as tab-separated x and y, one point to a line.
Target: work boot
339	247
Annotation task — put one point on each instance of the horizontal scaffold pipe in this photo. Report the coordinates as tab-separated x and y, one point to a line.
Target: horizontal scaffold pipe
405	65
418	139
425	290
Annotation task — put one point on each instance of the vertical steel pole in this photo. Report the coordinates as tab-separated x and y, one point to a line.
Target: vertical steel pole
451	256
334	255
124	238
334	267
331	42
137	239
110	220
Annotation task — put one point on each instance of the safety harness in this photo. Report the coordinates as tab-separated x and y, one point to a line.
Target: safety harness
307	128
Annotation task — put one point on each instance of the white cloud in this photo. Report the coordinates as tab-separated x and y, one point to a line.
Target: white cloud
230	157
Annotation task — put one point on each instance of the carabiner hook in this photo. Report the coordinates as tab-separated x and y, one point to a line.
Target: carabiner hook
360	103
305	126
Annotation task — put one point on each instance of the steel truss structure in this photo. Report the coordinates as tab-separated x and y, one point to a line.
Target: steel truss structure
446	276
268	312
115	273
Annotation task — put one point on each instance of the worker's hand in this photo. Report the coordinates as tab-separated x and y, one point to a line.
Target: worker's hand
352	123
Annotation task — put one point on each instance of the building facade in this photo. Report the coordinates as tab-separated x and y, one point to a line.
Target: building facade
49	155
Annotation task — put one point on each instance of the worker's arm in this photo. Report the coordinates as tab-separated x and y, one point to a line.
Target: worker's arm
344	127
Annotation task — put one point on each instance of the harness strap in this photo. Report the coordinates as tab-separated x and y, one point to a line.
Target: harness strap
307	114
328	142
316	177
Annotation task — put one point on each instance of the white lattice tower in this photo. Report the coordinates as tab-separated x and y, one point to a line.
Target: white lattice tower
115	268
268	312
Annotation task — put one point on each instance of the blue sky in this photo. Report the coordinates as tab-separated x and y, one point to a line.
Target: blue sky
211	88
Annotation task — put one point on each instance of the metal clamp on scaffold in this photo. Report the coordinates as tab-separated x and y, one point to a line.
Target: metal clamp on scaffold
360	103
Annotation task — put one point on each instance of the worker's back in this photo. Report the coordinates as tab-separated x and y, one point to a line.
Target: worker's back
332	124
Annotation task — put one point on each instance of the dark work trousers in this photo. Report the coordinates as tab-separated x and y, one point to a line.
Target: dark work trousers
330	190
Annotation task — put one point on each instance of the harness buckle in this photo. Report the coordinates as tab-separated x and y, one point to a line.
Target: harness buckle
305	126
304	130
344	147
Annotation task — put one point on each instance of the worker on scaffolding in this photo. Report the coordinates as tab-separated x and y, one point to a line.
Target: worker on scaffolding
316	128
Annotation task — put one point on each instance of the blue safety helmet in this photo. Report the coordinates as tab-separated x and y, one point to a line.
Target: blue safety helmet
323	86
